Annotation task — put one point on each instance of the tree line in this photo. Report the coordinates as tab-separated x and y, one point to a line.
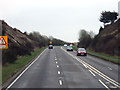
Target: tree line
44	40
20	44
98	43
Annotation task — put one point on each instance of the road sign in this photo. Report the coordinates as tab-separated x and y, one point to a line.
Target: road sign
3	42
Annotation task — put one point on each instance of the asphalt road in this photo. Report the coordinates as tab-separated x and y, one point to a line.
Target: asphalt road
58	68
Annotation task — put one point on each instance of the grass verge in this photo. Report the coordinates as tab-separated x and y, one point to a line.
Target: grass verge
102	56
9	69
74	47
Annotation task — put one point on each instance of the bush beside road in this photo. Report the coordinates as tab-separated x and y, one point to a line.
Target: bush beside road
9	69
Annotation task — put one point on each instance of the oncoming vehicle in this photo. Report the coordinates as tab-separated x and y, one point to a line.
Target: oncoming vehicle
69	48
71	45
65	45
82	52
50	46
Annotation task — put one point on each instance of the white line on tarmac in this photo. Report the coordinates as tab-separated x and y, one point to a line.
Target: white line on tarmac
56	62
92	73
25	70
109	68
84	65
104	84
55	59
58	72
60	82
95	70
57	66
107	82
113	87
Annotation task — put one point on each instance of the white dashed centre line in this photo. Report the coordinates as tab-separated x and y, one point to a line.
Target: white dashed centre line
57	66
56	62
113	87
58	72
93	69
55	59
60	82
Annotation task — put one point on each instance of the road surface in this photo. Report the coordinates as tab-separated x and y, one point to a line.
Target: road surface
58	68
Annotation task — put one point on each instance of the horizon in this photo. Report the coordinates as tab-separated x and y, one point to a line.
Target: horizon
59	19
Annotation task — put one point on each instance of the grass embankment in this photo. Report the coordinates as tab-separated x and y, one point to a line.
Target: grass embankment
74	47
11	68
113	59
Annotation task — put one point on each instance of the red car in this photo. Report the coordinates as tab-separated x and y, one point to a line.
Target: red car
81	52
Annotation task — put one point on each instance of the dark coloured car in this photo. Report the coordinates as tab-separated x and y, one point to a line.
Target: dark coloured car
81	52
69	48
50	46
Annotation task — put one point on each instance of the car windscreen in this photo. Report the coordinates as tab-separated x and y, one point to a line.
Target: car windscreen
81	49
50	45
69	47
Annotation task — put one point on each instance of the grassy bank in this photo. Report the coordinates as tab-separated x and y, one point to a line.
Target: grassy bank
11	68
113	59
74	47
102	56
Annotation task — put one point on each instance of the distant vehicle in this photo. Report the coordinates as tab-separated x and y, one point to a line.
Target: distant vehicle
71	45
50	46
69	48
65	45
82	52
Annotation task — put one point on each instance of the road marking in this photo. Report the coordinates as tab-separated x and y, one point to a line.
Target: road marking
60	82
107	82
104	84
84	65
55	59
25	70
57	66
113	87
58	72
92	73
90	67
56	62
109	68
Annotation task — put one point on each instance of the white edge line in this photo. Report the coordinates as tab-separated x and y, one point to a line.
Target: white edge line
92	73
104	84
108	79
25	70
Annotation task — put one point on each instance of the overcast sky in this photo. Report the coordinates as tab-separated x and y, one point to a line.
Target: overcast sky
61	19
